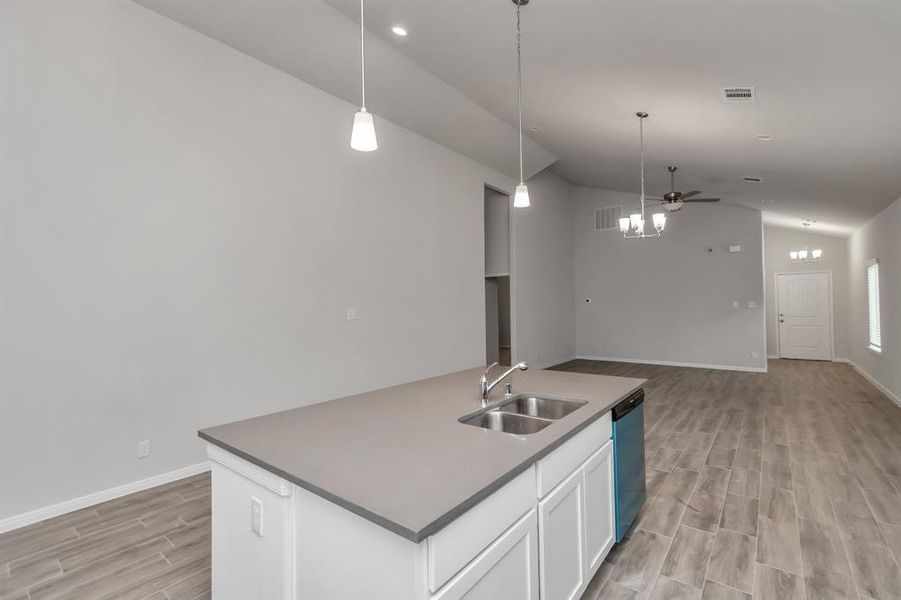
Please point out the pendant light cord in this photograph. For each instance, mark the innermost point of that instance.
(362, 60)
(519, 88)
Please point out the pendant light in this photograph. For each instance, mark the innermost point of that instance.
(362, 137)
(632, 227)
(805, 254)
(521, 196)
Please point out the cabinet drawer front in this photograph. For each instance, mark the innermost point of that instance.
(508, 568)
(556, 466)
(451, 548)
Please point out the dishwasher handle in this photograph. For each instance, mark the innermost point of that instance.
(628, 405)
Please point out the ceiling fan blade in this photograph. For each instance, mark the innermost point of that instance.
(702, 200)
(690, 194)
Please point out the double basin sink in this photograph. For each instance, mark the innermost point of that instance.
(523, 415)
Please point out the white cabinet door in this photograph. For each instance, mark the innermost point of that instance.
(599, 519)
(506, 570)
(561, 531)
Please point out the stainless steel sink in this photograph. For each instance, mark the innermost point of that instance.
(495, 420)
(543, 408)
(523, 415)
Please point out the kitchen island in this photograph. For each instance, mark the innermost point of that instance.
(387, 494)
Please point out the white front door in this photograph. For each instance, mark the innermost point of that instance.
(803, 305)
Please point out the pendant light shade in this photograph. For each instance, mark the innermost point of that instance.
(521, 197)
(659, 221)
(362, 138)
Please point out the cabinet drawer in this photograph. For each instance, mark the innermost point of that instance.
(451, 548)
(556, 466)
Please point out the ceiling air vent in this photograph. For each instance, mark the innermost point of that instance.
(607, 219)
(738, 94)
(752, 179)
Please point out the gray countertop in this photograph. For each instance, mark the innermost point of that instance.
(399, 457)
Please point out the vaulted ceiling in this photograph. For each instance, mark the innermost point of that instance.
(826, 75)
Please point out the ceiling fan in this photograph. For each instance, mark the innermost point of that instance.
(673, 200)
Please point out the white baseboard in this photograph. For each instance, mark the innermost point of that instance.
(772, 356)
(670, 363)
(876, 383)
(554, 363)
(55, 510)
(841, 359)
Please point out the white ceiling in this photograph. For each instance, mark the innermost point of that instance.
(827, 76)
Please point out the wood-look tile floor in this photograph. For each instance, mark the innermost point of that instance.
(152, 545)
(783, 485)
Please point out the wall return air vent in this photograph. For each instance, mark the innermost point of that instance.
(607, 219)
(738, 94)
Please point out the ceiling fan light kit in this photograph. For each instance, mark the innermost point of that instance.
(632, 227)
(805, 254)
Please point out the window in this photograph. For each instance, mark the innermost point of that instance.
(873, 325)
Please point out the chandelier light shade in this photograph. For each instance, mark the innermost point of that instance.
(521, 197)
(805, 254)
(633, 226)
(362, 138)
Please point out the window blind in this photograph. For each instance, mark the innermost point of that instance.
(873, 324)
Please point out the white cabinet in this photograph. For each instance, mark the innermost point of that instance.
(506, 570)
(599, 519)
(561, 529)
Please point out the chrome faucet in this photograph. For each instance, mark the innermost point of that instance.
(485, 387)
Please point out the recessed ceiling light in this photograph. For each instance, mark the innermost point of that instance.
(398, 30)
(764, 137)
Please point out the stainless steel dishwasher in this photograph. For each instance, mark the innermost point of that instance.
(628, 461)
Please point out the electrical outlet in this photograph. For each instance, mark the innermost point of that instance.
(351, 314)
(143, 448)
(256, 516)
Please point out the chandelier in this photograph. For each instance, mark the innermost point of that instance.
(805, 254)
(632, 227)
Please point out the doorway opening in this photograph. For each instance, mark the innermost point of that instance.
(804, 315)
(498, 334)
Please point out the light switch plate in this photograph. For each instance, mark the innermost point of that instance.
(256, 516)
(752, 304)
(735, 248)
(735, 304)
(351, 314)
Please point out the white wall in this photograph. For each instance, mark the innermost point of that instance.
(880, 239)
(183, 228)
(778, 242)
(542, 280)
(668, 299)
